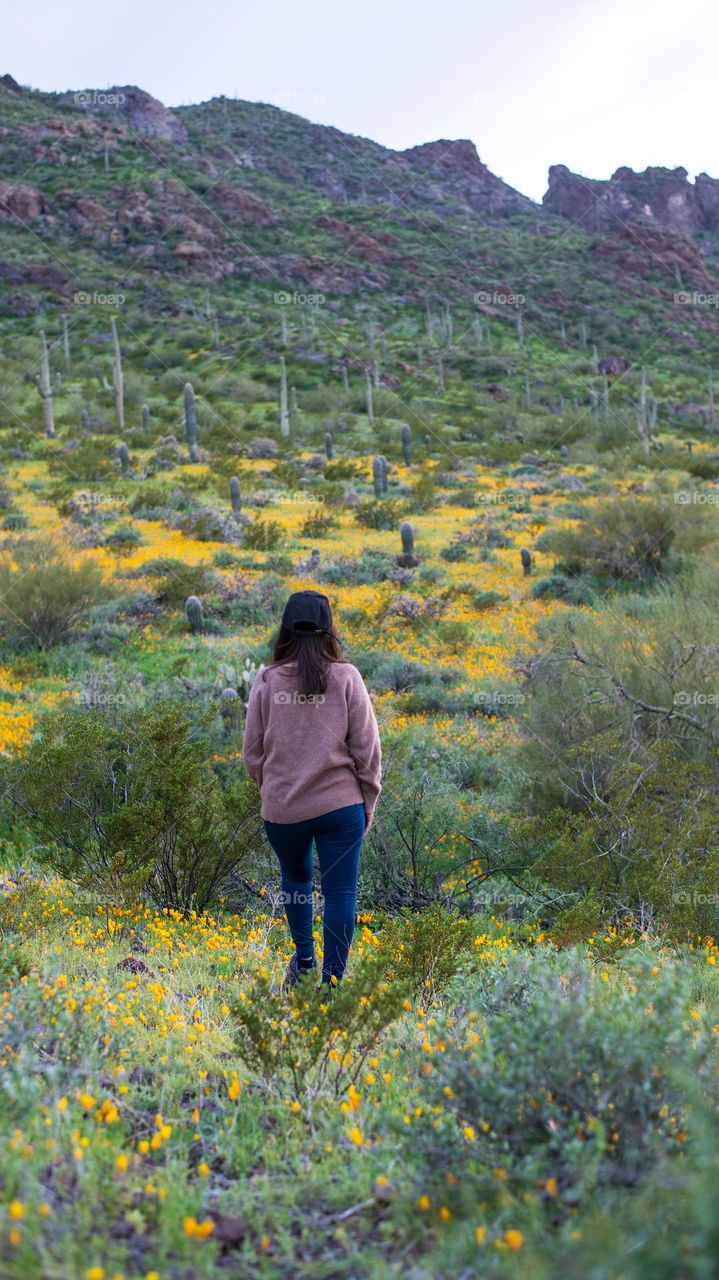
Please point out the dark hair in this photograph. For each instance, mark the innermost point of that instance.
(313, 651)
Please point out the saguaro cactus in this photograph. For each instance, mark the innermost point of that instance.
(145, 420)
(194, 611)
(407, 444)
(123, 454)
(284, 414)
(370, 406)
(235, 495)
(526, 558)
(329, 449)
(407, 534)
(84, 420)
(44, 386)
(66, 341)
(191, 421)
(385, 473)
(377, 476)
(117, 377)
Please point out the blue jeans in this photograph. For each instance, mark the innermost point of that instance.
(338, 836)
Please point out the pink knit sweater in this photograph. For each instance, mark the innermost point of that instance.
(312, 755)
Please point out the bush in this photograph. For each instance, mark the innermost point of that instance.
(312, 1042)
(318, 524)
(43, 594)
(263, 535)
(564, 1077)
(178, 580)
(125, 802)
(379, 513)
(630, 538)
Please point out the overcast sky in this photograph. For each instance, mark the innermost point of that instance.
(592, 84)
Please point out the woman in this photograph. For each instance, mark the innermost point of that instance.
(312, 746)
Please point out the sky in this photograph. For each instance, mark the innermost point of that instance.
(593, 84)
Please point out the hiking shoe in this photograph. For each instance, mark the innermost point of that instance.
(295, 972)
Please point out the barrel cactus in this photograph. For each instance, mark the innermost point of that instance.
(194, 611)
(235, 495)
(123, 454)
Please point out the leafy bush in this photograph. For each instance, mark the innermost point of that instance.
(318, 524)
(315, 1040)
(43, 594)
(263, 535)
(125, 802)
(379, 513)
(177, 580)
(630, 538)
(567, 1080)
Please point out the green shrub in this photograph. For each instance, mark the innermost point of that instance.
(379, 513)
(43, 594)
(263, 535)
(177, 580)
(564, 1076)
(125, 803)
(630, 538)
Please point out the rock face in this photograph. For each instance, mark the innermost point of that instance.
(21, 201)
(143, 113)
(664, 198)
(456, 166)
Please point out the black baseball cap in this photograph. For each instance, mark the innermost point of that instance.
(307, 611)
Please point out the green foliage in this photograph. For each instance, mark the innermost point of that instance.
(263, 535)
(43, 594)
(318, 524)
(125, 802)
(178, 580)
(630, 538)
(381, 513)
(314, 1039)
(565, 1077)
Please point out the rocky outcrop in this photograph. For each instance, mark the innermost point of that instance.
(454, 166)
(664, 198)
(143, 113)
(21, 201)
